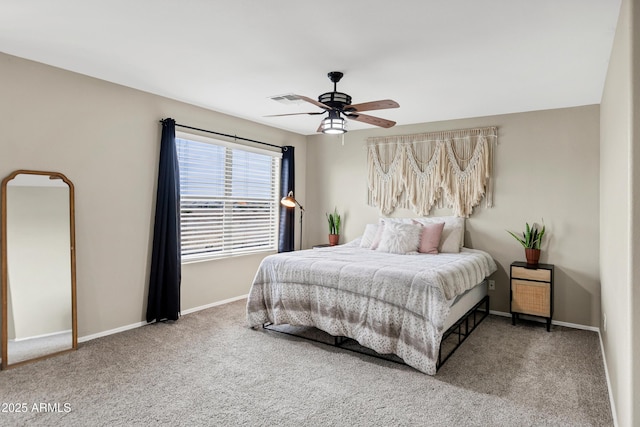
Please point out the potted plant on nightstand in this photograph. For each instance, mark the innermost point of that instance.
(334, 227)
(531, 240)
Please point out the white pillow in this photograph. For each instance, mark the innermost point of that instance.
(399, 238)
(378, 235)
(450, 239)
(369, 235)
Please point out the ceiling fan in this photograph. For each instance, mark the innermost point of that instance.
(337, 104)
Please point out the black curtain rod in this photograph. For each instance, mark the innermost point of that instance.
(228, 136)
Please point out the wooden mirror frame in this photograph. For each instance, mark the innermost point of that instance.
(5, 282)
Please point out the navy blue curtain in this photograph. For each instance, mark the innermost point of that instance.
(164, 282)
(287, 215)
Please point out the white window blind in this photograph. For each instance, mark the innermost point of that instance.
(229, 198)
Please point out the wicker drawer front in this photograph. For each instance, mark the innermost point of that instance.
(531, 274)
(531, 297)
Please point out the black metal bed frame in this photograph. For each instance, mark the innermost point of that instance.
(461, 329)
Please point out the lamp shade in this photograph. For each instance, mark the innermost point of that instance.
(334, 124)
(289, 201)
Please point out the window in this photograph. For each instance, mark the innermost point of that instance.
(229, 203)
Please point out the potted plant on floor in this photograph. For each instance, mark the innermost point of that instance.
(334, 227)
(531, 240)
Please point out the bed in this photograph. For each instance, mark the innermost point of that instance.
(392, 303)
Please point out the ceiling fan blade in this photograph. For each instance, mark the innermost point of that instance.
(295, 114)
(373, 105)
(314, 102)
(377, 121)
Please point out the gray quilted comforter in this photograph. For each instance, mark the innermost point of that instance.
(393, 304)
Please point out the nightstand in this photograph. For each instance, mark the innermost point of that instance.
(532, 291)
(322, 245)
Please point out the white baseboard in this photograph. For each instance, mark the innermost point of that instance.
(553, 322)
(111, 332)
(214, 304)
(606, 374)
(139, 324)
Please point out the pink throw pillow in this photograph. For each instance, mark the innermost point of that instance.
(430, 238)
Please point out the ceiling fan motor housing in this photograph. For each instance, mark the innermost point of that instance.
(336, 100)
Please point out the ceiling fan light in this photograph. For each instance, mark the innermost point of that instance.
(334, 125)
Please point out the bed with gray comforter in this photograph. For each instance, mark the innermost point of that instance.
(393, 304)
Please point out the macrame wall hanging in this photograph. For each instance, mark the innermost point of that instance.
(420, 171)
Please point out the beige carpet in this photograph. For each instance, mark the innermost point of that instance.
(208, 368)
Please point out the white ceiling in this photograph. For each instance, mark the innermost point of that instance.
(438, 59)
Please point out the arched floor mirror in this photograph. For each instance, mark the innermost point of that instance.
(39, 318)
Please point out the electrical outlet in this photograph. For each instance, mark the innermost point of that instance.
(492, 285)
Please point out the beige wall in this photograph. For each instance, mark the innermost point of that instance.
(105, 138)
(620, 217)
(546, 166)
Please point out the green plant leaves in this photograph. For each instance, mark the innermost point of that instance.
(531, 236)
(334, 222)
